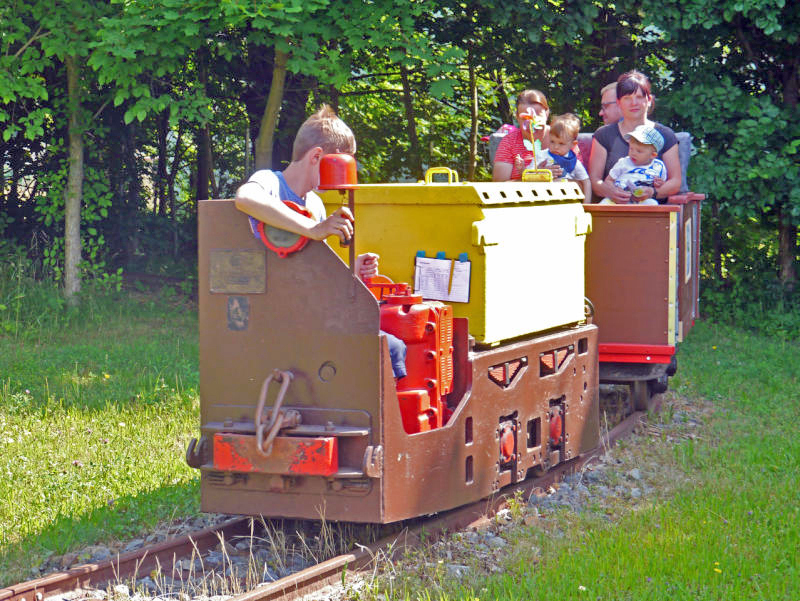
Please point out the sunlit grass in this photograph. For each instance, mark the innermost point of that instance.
(95, 417)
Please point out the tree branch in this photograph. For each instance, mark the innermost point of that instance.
(35, 37)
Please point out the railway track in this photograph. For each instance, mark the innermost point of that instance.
(166, 556)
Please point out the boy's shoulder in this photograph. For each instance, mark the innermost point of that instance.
(315, 205)
(267, 179)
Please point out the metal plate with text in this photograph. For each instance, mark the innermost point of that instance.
(238, 271)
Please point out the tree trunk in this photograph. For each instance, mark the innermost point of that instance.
(247, 143)
(507, 112)
(473, 115)
(266, 130)
(787, 250)
(3, 206)
(787, 231)
(716, 238)
(334, 93)
(176, 161)
(203, 164)
(160, 207)
(72, 202)
(210, 161)
(15, 162)
(415, 157)
(203, 141)
(293, 113)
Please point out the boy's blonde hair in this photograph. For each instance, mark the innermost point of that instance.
(326, 130)
(565, 126)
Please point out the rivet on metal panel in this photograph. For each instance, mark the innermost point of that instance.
(326, 371)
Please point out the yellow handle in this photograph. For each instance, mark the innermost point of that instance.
(452, 175)
(537, 175)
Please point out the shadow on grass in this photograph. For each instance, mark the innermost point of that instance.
(125, 518)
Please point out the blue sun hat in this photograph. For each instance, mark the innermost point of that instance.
(647, 134)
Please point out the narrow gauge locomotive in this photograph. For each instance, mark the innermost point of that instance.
(301, 416)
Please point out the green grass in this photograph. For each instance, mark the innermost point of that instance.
(732, 533)
(97, 405)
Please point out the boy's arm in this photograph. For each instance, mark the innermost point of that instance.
(252, 198)
(617, 194)
(586, 184)
(581, 176)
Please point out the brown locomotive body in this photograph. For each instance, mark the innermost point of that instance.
(342, 451)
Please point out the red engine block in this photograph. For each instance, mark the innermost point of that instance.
(427, 330)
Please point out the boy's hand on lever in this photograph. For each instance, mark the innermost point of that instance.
(339, 223)
(367, 265)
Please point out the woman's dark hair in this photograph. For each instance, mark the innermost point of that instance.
(631, 82)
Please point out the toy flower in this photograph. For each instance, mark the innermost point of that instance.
(534, 121)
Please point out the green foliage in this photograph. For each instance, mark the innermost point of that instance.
(749, 293)
(733, 74)
(94, 208)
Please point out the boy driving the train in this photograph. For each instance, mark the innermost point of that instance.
(263, 198)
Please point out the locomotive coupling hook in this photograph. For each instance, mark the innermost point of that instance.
(267, 429)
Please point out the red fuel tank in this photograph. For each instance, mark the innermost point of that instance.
(427, 329)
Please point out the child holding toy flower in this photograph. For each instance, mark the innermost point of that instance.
(564, 131)
(532, 114)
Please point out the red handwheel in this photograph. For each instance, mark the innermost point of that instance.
(280, 241)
